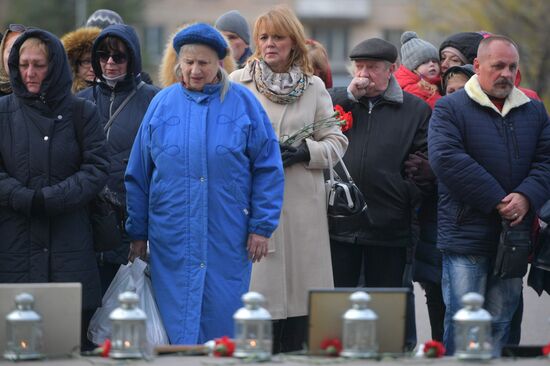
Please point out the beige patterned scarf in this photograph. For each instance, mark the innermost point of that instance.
(280, 88)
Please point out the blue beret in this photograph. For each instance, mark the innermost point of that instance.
(203, 34)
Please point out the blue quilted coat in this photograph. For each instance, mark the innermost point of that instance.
(480, 155)
(202, 175)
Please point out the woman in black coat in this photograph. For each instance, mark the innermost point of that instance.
(122, 99)
(47, 178)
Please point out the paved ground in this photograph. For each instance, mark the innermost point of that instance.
(535, 328)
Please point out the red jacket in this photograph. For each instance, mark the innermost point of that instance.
(412, 83)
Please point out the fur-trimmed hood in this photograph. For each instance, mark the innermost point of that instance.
(167, 75)
(77, 43)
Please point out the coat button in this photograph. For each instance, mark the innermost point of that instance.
(203, 265)
(59, 117)
(202, 179)
(46, 138)
(45, 250)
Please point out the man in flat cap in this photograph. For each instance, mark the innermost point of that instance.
(389, 124)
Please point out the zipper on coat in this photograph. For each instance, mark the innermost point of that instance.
(365, 145)
(507, 143)
(514, 139)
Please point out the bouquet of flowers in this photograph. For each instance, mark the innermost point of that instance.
(338, 118)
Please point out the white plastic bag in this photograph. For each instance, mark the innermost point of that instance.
(130, 277)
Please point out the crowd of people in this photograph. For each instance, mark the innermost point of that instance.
(445, 146)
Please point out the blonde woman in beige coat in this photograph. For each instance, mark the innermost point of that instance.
(280, 75)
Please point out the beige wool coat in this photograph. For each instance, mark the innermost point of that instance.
(299, 250)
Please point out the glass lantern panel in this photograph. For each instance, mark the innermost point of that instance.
(25, 337)
(129, 338)
(253, 336)
(473, 338)
(360, 336)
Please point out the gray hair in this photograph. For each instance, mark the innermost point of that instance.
(350, 67)
(221, 74)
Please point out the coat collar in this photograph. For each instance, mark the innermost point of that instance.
(392, 94)
(515, 99)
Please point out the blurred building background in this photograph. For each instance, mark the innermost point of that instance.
(338, 24)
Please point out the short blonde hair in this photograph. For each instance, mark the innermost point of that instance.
(281, 20)
(35, 43)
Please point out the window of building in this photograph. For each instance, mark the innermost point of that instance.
(335, 39)
(154, 41)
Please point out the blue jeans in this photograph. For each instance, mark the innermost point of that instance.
(470, 273)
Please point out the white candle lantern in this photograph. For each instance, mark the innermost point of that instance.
(23, 330)
(473, 329)
(359, 328)
(128, 339)
(253, 337)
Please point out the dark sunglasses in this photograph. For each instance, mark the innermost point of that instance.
(118, 58)
(19, 28)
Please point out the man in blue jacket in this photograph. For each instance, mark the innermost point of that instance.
(489, 146)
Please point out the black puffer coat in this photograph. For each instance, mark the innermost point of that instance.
(125, 126)
(381, 139)
(40, 154)
(122, 133)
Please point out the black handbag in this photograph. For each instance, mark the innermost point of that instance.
(513, 251)
(106, 226)
(346, 206)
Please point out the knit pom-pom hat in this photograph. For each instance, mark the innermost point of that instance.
(416, 51)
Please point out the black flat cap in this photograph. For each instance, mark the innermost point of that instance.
(374, 49)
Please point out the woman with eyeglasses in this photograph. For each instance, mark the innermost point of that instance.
(8, 39)
(122, 99)
(78, 45)
(48, 175)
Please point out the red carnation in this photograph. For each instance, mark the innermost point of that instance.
(434, 349)
(345, 117)
(332, 347)
(104, 349)
(224, 347)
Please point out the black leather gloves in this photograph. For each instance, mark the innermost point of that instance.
(418, 168)
(292, 155)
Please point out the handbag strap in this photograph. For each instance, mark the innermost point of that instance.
(328, 147)
(107, 128)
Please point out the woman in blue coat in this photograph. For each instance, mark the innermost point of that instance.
(205, 187)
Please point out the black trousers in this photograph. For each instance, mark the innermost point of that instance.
(382, 267)
(289, 334)
(436, 308)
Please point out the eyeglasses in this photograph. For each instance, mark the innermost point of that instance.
(85, 63)
(19, 28)
(118, 58)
